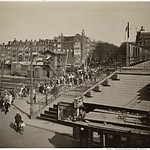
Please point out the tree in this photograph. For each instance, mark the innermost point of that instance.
(121, 54)
(104, 53)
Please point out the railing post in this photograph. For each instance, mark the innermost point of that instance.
(104, 140)
(46, 98)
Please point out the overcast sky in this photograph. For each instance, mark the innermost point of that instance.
(104, 21)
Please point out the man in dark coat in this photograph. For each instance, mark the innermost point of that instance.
(6, 106)
(18, 119)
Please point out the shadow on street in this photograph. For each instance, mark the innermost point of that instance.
(13, 126)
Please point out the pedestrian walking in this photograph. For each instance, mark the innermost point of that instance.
(27, 89)
(18, 119)
(12, 92)
(10, 99)
(6, 107)
(34, 96)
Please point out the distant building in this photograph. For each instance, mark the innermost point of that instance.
(21, 51)
(139, 50)
(143, 38)
(1, 52)
(76, 47)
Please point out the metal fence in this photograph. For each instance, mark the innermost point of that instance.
(49, 98)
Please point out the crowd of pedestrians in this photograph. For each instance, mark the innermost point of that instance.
(71, 79)
(7, 97)
(79, 77)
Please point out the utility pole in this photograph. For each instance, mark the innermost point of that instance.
(4, 47)
(127, 45)
(67, 56)
(31, 92)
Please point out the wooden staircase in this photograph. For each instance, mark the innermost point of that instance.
(50, 115)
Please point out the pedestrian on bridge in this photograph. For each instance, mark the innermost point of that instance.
(34, 96)
(12, 92)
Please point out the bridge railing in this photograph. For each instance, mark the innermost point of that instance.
(49, 98)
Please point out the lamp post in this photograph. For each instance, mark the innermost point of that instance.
(31, 92)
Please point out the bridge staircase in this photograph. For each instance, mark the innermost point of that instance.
(51, 114)
(66, 98)
(48, 66)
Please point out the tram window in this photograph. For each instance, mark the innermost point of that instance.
(110, 136)
(123, 138)
(96, 137)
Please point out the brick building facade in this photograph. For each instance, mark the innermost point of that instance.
(77, 48)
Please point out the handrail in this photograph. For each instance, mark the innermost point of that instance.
(99, 83)
(43, 102)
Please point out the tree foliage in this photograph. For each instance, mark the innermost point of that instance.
(104, 52)
(121, 54)
(122, 50)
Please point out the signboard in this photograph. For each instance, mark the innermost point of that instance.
(77, 48)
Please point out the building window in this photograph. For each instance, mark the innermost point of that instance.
(96, 137)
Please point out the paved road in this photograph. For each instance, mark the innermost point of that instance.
(31, 138)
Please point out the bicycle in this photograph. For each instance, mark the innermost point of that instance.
(20, 127)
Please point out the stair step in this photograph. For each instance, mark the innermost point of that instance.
(53, 109)
(48, 119)
(49, 116)
(51, 112)
(65, 103)
(55, 106)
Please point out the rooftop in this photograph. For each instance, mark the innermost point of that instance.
(130, 91)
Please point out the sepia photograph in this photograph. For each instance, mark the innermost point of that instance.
(74, 74)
